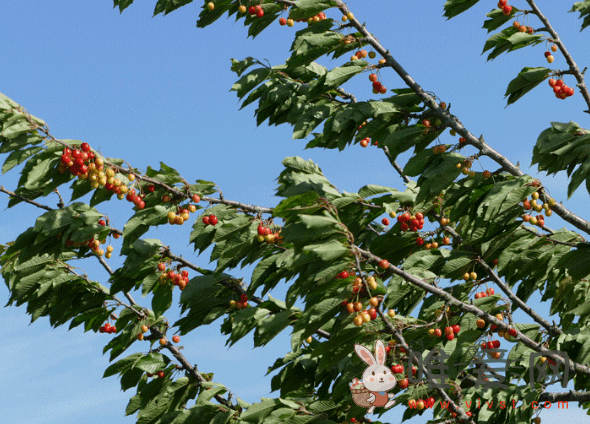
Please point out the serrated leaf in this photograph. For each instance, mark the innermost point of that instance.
(526, 80)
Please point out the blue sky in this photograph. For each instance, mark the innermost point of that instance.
(157, 89)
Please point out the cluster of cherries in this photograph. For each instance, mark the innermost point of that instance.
(488, 292)
(548, 54)
(506, 8)
(267, 235)
(377, 86)
(538, 207)
(523, 28)
(411, 222)
(179, 279)
(108, 328)
(242, 303)
(253, 10)
(210, 219)
(560, 89)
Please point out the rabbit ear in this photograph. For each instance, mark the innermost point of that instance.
(380, 352)
(364, 354)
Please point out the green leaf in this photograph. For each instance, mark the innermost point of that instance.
(167, 6)
(123, 4)
(304, 9)
(17, 157)
(497, 19)
(152, 362)
(258, 411)
(122, 365)
(526, 80)
(584, 8)
(269, 327)
(456, 7)
(162, 300)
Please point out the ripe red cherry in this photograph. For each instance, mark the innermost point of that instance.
(243, 297)
(85, 147)
(419, 241)
(161, 374)
(502, 3)
(437, 332)
(343, 274)
(252, 10)
(161, 266)
(496, 344)
(385, 221)
(456, 328)
(490, 291)
(176, 339)
(376, 85)
(260, 13)
(450, 337)
(283, 21)
(206, 220)
(490, 345)
(373, 78)
(151, 188)
(101, 222)
(384, 264)
(212, 219)
(512, 332)
(403, 384)
(507, 10)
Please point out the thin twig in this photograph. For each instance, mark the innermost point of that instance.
(24, 199)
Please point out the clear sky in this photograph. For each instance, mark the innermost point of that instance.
(157, 89)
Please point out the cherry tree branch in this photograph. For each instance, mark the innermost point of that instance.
(469, 308)
(574, 70)
(24, 199)
(452, 122)
(553, 330)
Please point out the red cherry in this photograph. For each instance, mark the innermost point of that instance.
(76, 153)
(376, 85)
(385, 221)
(502, 3)
(252, 10)
(490, 345)
(484, 345)
(559, 83)
(151, 188)
(507, 10)
(161, 374)
(283, 21)
(212, 219)
(512, 332)
(419, 241)
(456, 328)
(141, 204)
(260, 13)
(343, 274)
(490, 291)
(384, 264)
(404, 227)
(373, 78)
(101, 222)
(85, 147)
(206, 220)
(496, 344)
(450, 337)
(243, 297)
(161, 266)
(175, 339)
